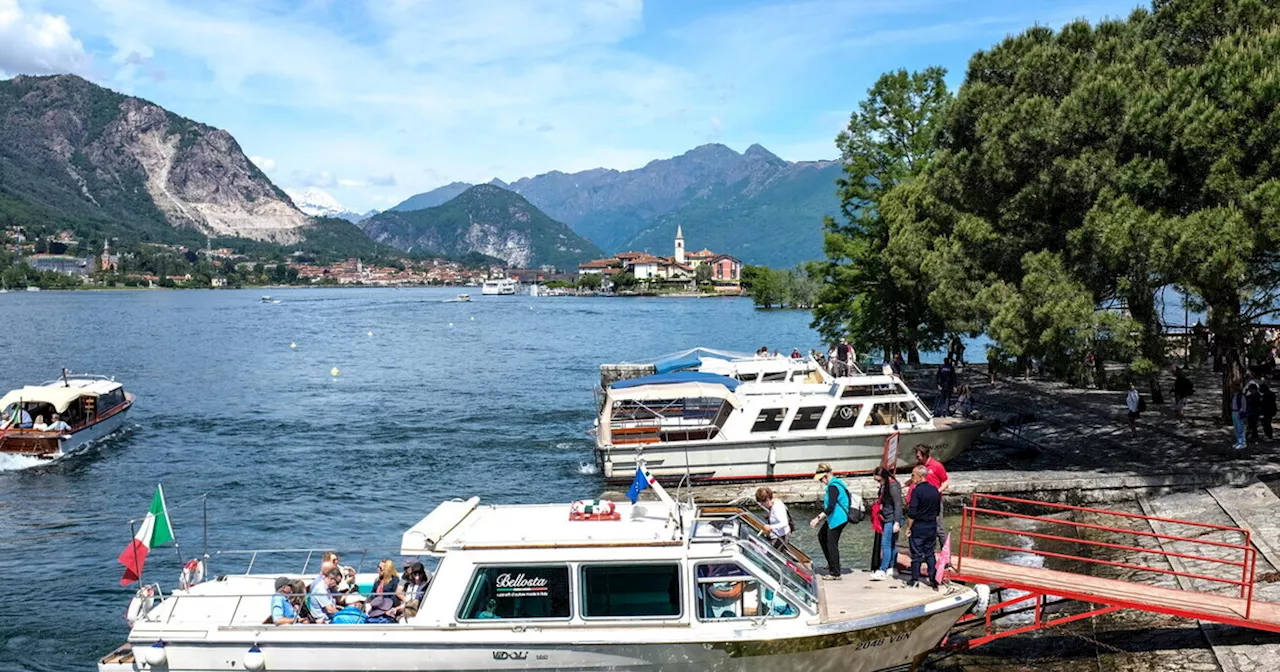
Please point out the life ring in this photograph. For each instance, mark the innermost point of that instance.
(192, 573)
(727, 591)
(141, 603)
(984, 599)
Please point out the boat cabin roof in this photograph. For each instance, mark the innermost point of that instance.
(458, 526)
(59, 395)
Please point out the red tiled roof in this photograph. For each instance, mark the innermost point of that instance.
(600, 263)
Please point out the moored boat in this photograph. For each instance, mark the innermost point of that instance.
(498, 287)
(706, 427)
(91, 407)
(655, 585)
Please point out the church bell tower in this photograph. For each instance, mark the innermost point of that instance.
(679, 245)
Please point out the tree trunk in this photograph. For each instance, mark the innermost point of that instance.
(1228, 333)
(1152, 344)
(913, 353)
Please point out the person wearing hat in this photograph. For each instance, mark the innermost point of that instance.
(352, 613)
(282, 612)
(831, 521)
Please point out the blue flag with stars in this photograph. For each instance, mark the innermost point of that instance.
(640, 482)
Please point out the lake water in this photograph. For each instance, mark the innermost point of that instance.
(490, 398)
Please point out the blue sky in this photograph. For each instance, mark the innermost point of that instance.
(375, 100)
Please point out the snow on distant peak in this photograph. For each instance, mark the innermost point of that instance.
(316, 202)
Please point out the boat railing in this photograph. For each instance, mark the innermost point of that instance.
(77, 376)
(310, 557)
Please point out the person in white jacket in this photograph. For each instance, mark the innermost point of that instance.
(1134, 402)
(779, 519)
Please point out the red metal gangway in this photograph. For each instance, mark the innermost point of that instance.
(981, 529)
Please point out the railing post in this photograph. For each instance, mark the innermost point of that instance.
(252, 559)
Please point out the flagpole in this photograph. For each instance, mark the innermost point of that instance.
(133, 534)
(165, 506)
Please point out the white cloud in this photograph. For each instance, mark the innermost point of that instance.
(266, 164)
(382, 179)
(38, 43)
(313, 178)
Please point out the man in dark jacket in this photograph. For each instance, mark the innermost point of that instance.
(922, 530)
(946, 387)
(1268, 411)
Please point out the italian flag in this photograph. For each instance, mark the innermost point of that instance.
(155, 530)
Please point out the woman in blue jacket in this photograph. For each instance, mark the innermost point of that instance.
(834, 516)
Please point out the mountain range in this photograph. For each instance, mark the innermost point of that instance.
(74, 153)
(754, 205)
(319, 203)
(486, 219)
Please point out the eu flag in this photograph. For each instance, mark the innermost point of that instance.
(640, 482)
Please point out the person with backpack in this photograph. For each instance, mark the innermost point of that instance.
(837, 511)
(1133, 401)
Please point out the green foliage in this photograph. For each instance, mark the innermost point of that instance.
(1079, 172)
(797, 288)
(625, 280)
(702, 274)
(874, 294)
(590, 281)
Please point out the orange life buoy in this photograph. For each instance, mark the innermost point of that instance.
(727, 591)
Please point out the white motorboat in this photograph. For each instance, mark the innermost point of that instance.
(745, 367)
(91, 406)
(650, 586)
(268, 299)
(499, 287)
(461, 298)
(706, 427)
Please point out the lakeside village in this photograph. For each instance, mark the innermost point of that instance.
(62, 261)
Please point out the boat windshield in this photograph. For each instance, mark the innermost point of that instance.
(789, 574)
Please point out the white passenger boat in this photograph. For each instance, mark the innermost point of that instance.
(745, 367)
(706, 427)
(652, 586)
(91, 406)
(461, 298)
(498, 287)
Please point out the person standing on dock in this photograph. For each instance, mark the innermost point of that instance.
(832, 519)
(946, 387)
(922, 526)
(888, 515)
(1239, 414)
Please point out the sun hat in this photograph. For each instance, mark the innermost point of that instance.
(353, 598)
(822, 470)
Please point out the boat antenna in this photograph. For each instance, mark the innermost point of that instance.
(65, 382)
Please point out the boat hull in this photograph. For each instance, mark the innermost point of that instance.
(871, 646)
(783, 458)
(52, 445)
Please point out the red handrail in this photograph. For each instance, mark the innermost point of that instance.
(1247, 565)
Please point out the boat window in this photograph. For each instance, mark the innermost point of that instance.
(615, 591)
(110, 399)
(844, 416)
(769, 420)
(787, 573)
(747, 377)
(774, 376)
(807, 417)
(517, 593)
(725, 591)
(894, 412)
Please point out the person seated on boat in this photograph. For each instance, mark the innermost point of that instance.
(490, 610)
(282, 611)
(21, 418)
(328, 561)
(416, 580)
(348, 583)
(795, 353)
(299, 600)
(39, 425)
(57, 424)
(352, 613)
(320, 602)
(387, 597)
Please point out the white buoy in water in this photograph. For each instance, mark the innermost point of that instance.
(371, 333)
(334, 371)
(450, 325)
(473, 318)
(254, 660)
(293, 346)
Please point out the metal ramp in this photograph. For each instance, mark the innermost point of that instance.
(1224, 559)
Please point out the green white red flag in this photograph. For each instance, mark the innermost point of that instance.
(154, 531)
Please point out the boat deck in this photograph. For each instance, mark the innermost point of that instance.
(857, 596)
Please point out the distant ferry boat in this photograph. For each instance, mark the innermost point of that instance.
(761, 418)
(499, 287)
(91, 406)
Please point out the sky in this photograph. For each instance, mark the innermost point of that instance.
(373, 101)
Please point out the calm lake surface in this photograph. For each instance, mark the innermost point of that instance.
(490, 398)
